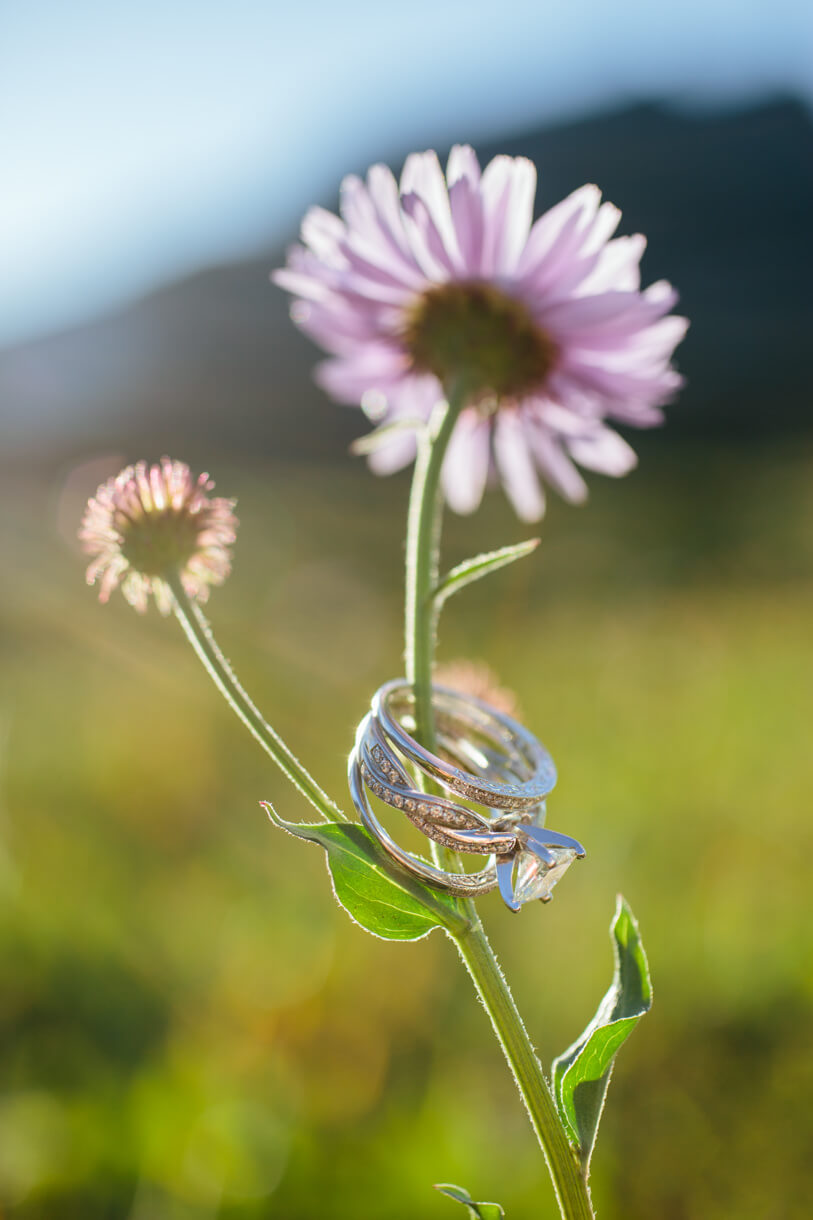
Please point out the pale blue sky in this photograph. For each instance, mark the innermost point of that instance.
(142, 141)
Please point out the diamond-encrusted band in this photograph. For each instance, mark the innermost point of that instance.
(486, 759)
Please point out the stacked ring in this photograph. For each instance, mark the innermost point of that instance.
(486, 759)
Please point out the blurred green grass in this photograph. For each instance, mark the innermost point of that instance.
(190, 1028)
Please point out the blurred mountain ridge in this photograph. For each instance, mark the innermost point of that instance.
(213, 363)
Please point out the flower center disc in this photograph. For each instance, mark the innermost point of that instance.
(159, 541)
(471, 330)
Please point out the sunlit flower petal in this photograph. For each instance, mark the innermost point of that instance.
(446, 277)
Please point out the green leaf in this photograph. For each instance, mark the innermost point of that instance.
(581, 1075)
(372, 441)
(477, 1211)
(375, 893)
(479, 566)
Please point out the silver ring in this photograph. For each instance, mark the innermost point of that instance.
(503, 732)
(485, 758)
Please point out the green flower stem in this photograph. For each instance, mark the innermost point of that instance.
(422, 554)
(569, 1183)
(423, 543)
(199, 634)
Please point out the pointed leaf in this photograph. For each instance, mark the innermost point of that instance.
(372, 441)
(479, 566)
(581, 1075)
(375, 893)
(476, 1211)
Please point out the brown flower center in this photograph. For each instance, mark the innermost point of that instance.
(471, 330)
(160, 541)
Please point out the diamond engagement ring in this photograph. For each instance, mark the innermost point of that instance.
(489, 781)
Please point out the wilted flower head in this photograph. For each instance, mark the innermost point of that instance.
(444, 279)
(150, 522)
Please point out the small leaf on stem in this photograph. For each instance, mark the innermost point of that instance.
(476, 1211)
(581, 1075)
(371, 441)
(376, 894)
(477, 567)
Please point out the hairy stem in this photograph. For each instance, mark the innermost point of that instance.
(199, 634)
(423, 544)
(569, 1183)
(422, 554)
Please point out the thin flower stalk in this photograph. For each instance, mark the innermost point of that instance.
(154, 531)
(423, 543)
(422, 557)
(199, 634)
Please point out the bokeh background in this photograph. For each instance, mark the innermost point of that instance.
(189, 1027)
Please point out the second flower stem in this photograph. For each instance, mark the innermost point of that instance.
(423, 544)
(199, 634)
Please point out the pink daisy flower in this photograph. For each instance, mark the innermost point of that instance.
(445, 279)
(152, 521)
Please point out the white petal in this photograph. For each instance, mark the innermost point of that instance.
(621, 387)
(661, 339)
(465, 467)
(463, 163)
(300, 285)
(516, 467)
(339, 326)
(562, 224)
(467, 214)
(323, 232)
(605, 451)
(617, 266)
(423, 176)
(508, 187)
(411, 398)
(369, 368)
(619, 314)
(417, 214)
(558, 470)
(384, 193)
(370, 236)
(373, 273)
(355, 204)
(605, 224)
